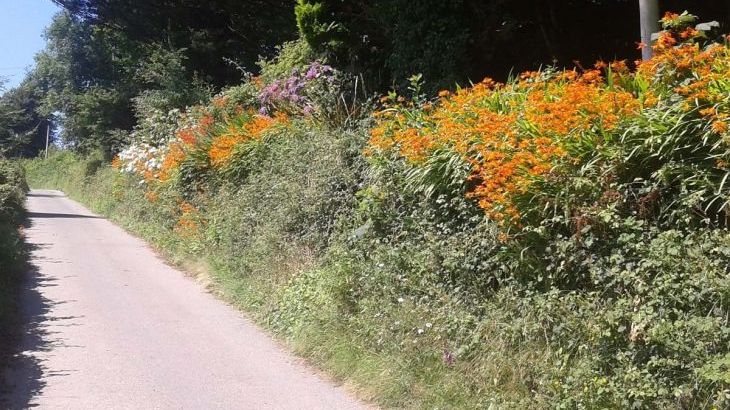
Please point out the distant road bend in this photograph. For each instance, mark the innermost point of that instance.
(108, 325)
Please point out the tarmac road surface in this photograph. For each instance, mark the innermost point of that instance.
(109, 325)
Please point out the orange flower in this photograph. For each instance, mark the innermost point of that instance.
(511, 135)
(220, 101)
(619, 66)
(206, 121)
(223, 146)
(174, 157)
(188, 222)
(720, 127)
(151, 196)
(187, 135)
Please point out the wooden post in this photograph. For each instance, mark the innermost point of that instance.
(649, 16)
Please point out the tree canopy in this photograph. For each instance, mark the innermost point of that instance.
(107, 60)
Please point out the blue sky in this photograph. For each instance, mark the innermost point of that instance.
(21, 29)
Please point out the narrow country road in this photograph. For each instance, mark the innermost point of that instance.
(108, 325)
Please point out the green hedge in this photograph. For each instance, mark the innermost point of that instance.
(613, 293)
(12, 200)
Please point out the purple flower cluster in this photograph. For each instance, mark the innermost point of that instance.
(317, 70)
(290, 91)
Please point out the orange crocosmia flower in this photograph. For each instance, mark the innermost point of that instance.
(514, 135)
(258, 125)
(187, 208)
(689, 33)
(708, 112)
(188, 221)
(221, 150)
(152, 196)
(511, 135)
(669, 17)
(720, 127)
(187, 135)
(205, 122)
(174, 157)
(220, 101)
(258, 82)
(619, 66)
(223, 146)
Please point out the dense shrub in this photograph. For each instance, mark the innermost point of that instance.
(12, 198)
(600, 182)
(558, 241)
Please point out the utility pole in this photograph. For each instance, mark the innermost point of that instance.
(649, 16)
(48, 135)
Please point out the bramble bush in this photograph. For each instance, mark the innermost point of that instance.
(558, 241)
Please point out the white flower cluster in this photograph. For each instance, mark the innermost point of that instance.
(142, 158)
(157, 127)
(151, 139)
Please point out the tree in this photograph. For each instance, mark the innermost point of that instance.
(210, 31)
(22, 128)
(87, 77)
(462, 40)
(106, 60)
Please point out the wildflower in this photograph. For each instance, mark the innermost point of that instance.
(220, 101)
(151, 196)
(223, 146)
(720, 127)
(619, 66)
(448, 358)
(291, 93)
(708, 112)
(188, 222)
(512, 144)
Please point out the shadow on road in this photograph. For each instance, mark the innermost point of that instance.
(42, 215)
(24, 378)
(46, 195)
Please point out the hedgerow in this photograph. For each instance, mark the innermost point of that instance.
(12, 256)
(556, 241)
(12, 202)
